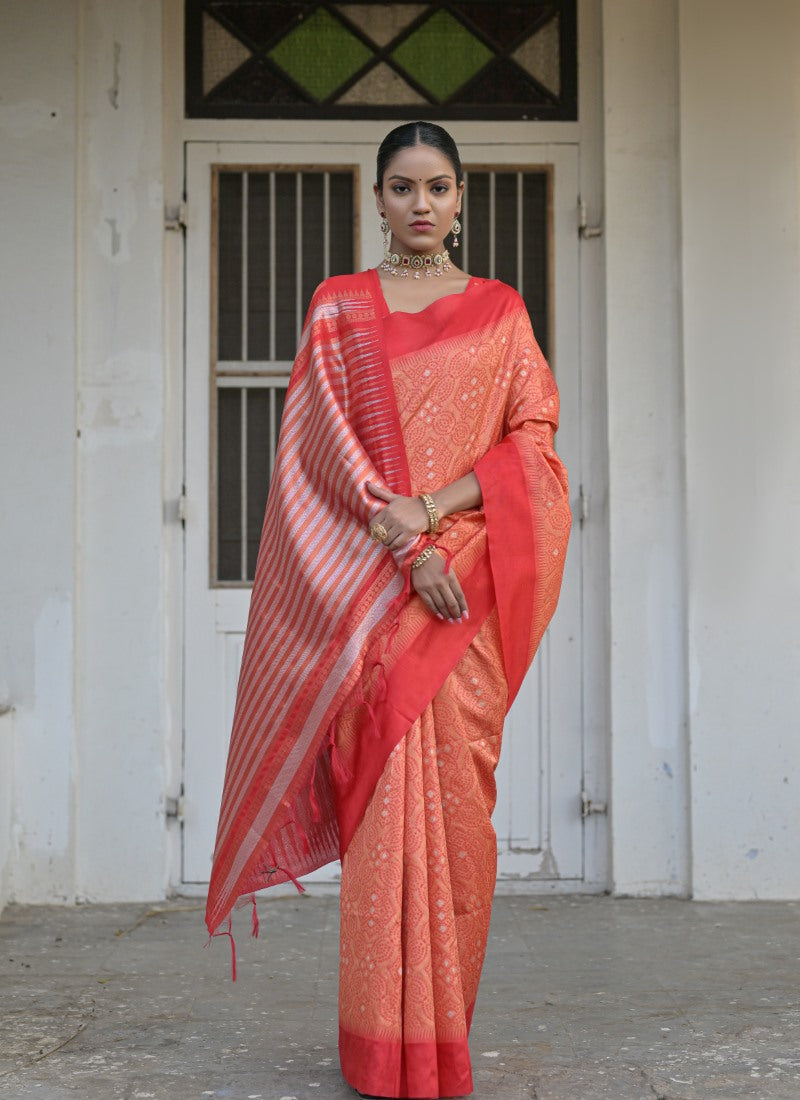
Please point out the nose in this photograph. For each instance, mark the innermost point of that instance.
(421, 204)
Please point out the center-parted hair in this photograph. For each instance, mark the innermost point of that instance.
(418, 133)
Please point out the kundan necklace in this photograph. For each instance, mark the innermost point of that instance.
(435, 263)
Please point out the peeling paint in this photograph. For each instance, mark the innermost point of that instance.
(113, 91)
(116, 236)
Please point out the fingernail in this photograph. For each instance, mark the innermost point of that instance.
(466, 614)
(439, 615)
(459, 619)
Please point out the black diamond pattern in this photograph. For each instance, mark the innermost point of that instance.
(258, 22)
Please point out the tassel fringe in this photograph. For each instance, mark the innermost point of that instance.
(229, 934)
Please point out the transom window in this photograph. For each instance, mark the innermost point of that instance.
(489, 59)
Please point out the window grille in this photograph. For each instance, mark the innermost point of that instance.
(447, 59)
(508, 235)
(276, 235)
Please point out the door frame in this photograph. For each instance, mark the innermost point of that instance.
(591, 480)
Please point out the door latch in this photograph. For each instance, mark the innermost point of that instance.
(588, 806)
(586, 231)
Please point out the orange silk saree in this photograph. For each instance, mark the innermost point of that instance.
(365, 728)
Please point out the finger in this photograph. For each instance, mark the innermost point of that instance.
(431, 606)
(380, 492)
(450, 602)
(442, 597)
(397, 537)
(441, 607)
(432, 591)
(457, 591)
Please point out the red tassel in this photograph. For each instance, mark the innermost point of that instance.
(229, 934)
(448, 557)
(391, 636)
(373, 721)
(304, 842)
(340, 772)
(254, 918)
(300, 888)
(316, 813)
(383, 688)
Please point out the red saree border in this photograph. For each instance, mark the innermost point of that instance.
(428, 1068)
(510, 532)
(411, 684)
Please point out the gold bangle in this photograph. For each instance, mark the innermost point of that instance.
(433, 513)
(428, 552)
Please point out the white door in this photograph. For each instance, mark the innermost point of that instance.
(266, 222)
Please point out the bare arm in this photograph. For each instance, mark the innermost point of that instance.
(405, 517)
(458, 495)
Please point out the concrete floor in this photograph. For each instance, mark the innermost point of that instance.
(582, 997)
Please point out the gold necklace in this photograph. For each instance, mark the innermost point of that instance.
(396, 263)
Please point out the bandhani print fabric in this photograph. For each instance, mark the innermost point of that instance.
(365, 728)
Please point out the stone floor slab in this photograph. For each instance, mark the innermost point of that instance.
(583, 997)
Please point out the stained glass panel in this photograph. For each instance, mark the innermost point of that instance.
(320, 54)
(441, 55)
(447, 58)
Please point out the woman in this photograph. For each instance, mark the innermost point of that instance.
(410, 561)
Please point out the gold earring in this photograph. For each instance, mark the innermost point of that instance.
(386, 232)
(455, 229)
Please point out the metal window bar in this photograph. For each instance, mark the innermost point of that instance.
(520, 235)
(245, 296)
(492, 242)
(298, 234)
(464, 244)
(273, 433)
(326, 224)
(272, 265)
(243, 477)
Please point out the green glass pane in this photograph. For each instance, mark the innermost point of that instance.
(320, 54)
(442, 55)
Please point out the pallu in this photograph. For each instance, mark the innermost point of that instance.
(365, 728)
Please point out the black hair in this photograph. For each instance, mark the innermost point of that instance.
(418, 133)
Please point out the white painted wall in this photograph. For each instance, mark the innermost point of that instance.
(83, 752)
(122, 747)
(37, 449)
(740, 156)
(649, 775)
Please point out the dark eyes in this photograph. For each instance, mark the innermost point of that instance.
(438, 188)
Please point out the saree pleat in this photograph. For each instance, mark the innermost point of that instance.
(417, 882)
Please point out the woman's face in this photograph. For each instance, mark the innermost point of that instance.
(420, 198)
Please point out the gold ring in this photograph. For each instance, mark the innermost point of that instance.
(379, 532)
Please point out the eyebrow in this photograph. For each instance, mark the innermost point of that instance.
(407, 179)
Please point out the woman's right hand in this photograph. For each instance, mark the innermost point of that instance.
(440, 592)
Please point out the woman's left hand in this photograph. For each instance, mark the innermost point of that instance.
(403, 517)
